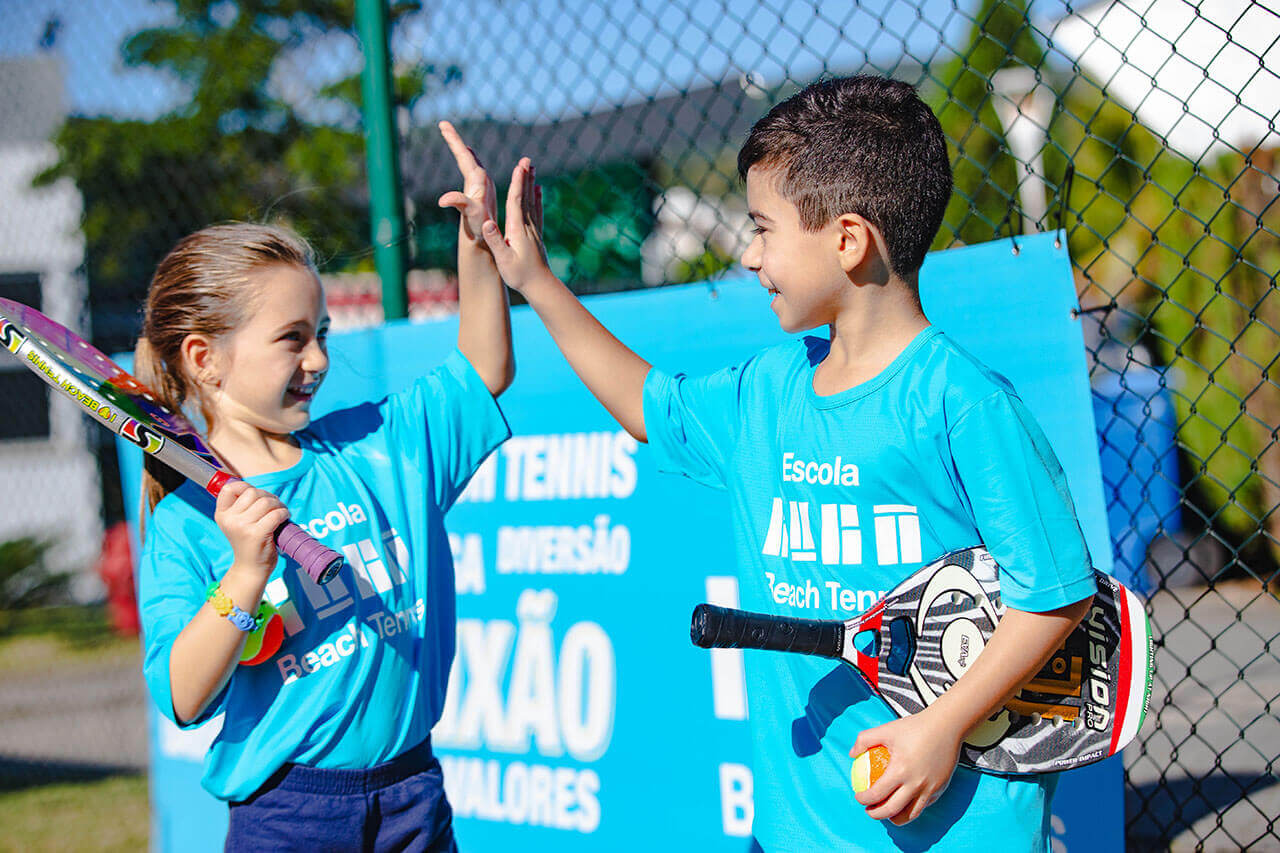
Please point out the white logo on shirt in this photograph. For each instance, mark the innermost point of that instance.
(371, 574)
(834, 472)
(335, 520)
(791, 535)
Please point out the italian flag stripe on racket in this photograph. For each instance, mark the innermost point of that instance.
(1131, 703)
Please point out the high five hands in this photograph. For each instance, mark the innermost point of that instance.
(520, 254)
(478, 200)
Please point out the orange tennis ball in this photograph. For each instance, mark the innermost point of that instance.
(868, 767)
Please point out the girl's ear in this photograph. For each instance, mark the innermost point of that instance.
(200, 361)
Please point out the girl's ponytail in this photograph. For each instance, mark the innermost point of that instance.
(169, 387)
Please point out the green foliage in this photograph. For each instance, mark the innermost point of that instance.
(236, 150)
(595, 221)
(25, 580)
(986, 176)
(1187, 252)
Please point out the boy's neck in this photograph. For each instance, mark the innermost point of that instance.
(869, 333)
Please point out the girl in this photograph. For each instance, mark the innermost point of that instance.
(325, 742)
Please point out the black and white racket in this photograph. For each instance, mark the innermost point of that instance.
(1086, 704)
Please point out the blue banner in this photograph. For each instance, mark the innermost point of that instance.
(579, 714)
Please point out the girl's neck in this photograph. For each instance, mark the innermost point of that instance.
(249, 452)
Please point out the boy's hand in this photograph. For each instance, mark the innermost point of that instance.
(249, 519)
(923, 751)
(478, 201)
(520, 254)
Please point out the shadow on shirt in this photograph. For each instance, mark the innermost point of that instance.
(832, 695)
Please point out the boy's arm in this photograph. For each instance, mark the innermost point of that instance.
(611, 371)
(484, 318)
(925, 747)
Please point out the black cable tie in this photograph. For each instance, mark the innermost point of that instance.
(1064, 195)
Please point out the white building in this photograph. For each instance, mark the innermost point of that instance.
(1204, 75)
(49, 480)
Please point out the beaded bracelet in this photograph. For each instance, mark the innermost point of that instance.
(224, 606)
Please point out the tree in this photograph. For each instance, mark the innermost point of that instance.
(986, 175)
(237, 149)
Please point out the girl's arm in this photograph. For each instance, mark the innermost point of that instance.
(924, 748)
(609, 369)
(484, 317)
(207, 650)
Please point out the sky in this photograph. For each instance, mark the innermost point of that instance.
(527, 60)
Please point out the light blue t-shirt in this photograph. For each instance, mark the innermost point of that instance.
(836, 499)
(361, 674)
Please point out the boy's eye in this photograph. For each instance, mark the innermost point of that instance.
(757, 229)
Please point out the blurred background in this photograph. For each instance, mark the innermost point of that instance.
(1146, 130)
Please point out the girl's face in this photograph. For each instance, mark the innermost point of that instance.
(270, 368)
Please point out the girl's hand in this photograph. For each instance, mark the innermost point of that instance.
(923, 751)
(478, 201)
(520, 254)
(249, 519)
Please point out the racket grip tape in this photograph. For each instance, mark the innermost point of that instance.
(320, 562)
(725, 628)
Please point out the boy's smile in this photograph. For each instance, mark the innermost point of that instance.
(799, 268)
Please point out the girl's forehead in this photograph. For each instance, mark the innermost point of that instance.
(285, 290)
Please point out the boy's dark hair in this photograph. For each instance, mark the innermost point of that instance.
(865, 145)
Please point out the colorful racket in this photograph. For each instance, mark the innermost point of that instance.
(1087, 702)
(128, 408)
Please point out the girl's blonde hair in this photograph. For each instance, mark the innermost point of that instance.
(204, 286)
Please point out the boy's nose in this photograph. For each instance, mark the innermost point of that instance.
(751, 255)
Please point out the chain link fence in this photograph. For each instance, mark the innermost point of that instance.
(1145, 129)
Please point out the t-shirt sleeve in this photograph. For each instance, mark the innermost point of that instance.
(463, 423)
(1021, 505)
(171, 588)
(692, 423)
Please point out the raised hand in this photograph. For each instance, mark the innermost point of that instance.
(478, 200)
(520, 254)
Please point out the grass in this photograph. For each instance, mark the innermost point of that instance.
(98, 814)
(104, 815)
(62, 638)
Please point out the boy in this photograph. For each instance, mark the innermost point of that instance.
(847, 183)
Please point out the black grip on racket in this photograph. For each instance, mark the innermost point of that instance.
(725, 628)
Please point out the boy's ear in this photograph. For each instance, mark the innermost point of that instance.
(856, 240)
(861, 246)
(200, 360)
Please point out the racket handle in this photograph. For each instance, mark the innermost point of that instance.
(318, 561)
(725, 628)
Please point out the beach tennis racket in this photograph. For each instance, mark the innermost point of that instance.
(128, 408)
(1087, 702)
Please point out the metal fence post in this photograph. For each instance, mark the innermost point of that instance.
(386, 207)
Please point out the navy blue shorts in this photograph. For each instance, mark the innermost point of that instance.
(399, 805)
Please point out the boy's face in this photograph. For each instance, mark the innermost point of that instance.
(800, 268)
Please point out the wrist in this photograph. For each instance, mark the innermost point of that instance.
(245, 583)
(539, 285)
